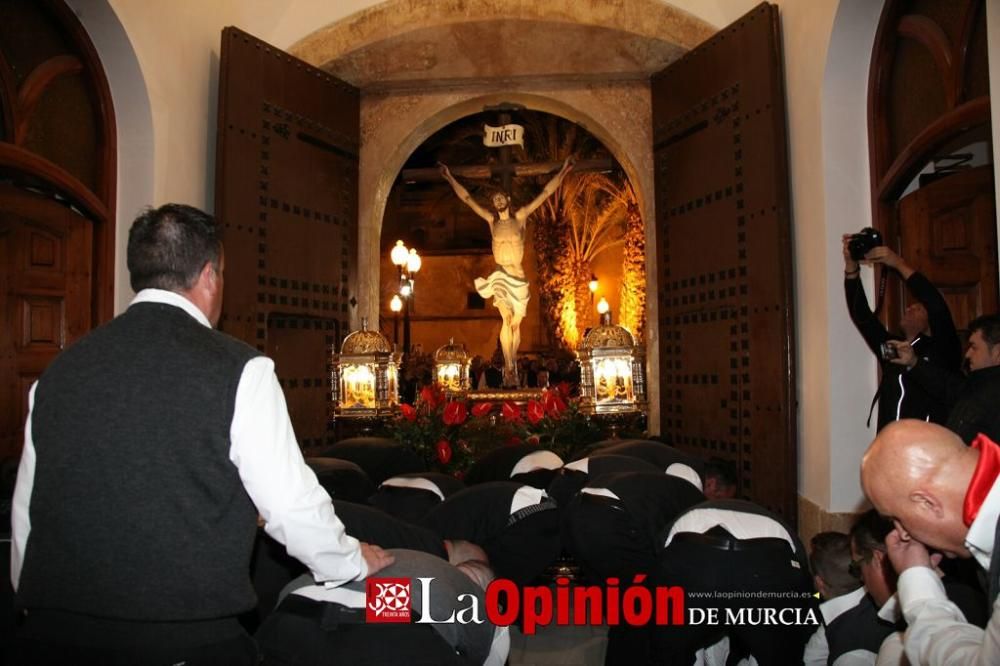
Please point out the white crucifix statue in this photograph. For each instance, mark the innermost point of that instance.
(507, 285)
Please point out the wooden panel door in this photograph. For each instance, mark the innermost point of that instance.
(286, 195)
(724, 257)
(947, 231)
(46, 287)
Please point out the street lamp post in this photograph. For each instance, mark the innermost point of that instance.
(408, 262)
(396, 304)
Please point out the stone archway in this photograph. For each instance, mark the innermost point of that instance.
(404, 43)
(382, 159)
(422, 66)
(389, 135)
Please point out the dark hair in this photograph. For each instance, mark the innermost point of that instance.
(830, 559)
(869, 533)
(723, 471)
(168, 246)
(989, 326)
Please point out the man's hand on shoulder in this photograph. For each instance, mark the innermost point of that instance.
(376, 558)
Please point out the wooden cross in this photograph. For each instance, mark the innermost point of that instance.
(505, 169)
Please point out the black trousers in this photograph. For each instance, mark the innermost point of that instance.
(606, 540)
(58, 638)
(761, 600)
(303, 632)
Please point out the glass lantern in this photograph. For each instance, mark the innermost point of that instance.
(364, 376)
(451, 368)
(612, 371)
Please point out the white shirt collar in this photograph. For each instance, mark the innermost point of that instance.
(171, 298)
(526, 496)
(537, 460)
(831, 609)
(892, 611)
(416, 482)
(979, 540)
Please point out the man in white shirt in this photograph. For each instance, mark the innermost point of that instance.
(943, 496)
(152, 444)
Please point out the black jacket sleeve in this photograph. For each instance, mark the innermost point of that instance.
(869, 326)
(946, 343)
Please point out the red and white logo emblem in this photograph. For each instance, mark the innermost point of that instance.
(388, 600)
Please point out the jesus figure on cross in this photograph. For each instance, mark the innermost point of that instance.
(507, 285)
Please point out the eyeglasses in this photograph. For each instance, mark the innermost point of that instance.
(854, 568)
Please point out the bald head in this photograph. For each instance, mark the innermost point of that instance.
(917, 473)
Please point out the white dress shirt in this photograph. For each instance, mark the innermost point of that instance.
(297, 511)
(937, 631)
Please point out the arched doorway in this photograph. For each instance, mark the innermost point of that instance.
(580, 233)
(57, 165)
(930, 145)
(683, 115)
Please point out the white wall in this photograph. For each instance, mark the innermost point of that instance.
(134, 121)
(826, 49)
(837, 431)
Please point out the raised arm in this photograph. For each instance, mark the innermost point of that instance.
(464, 195)
(549, 189)
(868, 324)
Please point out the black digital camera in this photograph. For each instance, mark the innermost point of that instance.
(888, 352)
(863, 242)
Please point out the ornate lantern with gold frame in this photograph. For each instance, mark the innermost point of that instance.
(451, 368)
(364, 376)
(612, 366)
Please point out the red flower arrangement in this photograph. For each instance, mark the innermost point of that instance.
(450, 433)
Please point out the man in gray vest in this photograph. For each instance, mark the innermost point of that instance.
(152, 444)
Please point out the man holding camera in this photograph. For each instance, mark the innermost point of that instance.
(973, 397)
(927, 327)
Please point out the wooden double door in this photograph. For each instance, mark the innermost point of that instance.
(286, 189)
(46, 296)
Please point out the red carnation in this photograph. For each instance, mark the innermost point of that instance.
(443, 449)
(455, 413)
(535, 412)
(408, 412)
(481, 409)
(554, 404)
(564, 389)
(511, 412)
